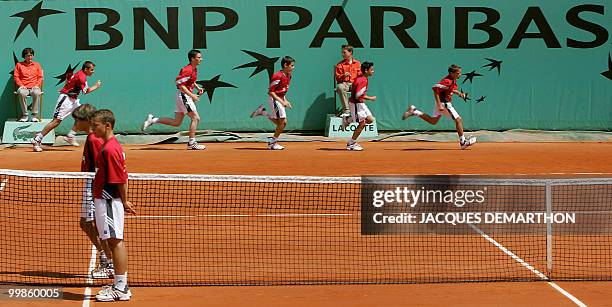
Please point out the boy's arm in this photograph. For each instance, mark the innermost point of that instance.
(200, 89)
(283, 101)
(123, 193)
(94, 87)
(185, 91)
(460, 94)
(366, 97)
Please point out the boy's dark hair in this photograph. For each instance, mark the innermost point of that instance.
(453, 68)
(192, 54)
(287, 60)
(365, 66)
(84, 112)
(104, 116)
(27, 51)
(88, 64)
(348, 48)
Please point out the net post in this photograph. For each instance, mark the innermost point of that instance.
(549, 260)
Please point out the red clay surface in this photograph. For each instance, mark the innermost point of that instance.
(331, 159)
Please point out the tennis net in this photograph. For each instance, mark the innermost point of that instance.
(256, 230)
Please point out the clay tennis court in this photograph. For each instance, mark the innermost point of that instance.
(331, 159)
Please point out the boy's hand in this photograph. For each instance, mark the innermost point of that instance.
(98, 83)
(201, 91)
(195, 97)
(441, 108)
(288, 104)
(129, 208)
(461, 94)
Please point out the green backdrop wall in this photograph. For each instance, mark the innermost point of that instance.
(555, 55)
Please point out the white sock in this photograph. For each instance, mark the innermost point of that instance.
(417, 113)
(273, 140)
(39, 137)
(71, 134)
(351, 142)
(154, 120)
(121, 281)
(462, 139)
(192, 140)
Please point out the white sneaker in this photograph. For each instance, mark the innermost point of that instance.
(36, 146)
(195, 146)
(104, 270)
(409, 112)
(24, 119)
(110, 294)
(354, 146)
(71, 141)
(275, 146)
(35, 119)
(468, 142)
(148, 122)
(259, 111)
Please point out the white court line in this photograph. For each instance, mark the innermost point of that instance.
(237, 215)
(92, 264)
(3, 183)
(567, 294)
(528, 266)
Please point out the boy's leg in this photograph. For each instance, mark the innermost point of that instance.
(261, 110)
(429, 119)
(175, 122)
(88, 228)
(280, 123)
(120, 258)
(452, 113)
(279, 118)
(105, 265)
(69, 138)
(183, 104)
(37, 140)
(359, 128)
(361, 113)
(195, 119)
(459, 126)
(412, 111)
(110, 222)
(280, 127)
(352, 144)
(48, 127)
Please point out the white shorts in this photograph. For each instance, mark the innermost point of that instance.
(87, 204)
(109, 218)
(64, 107)
(359, 111)
(277, 110)
(184, 103)
(449, 112)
